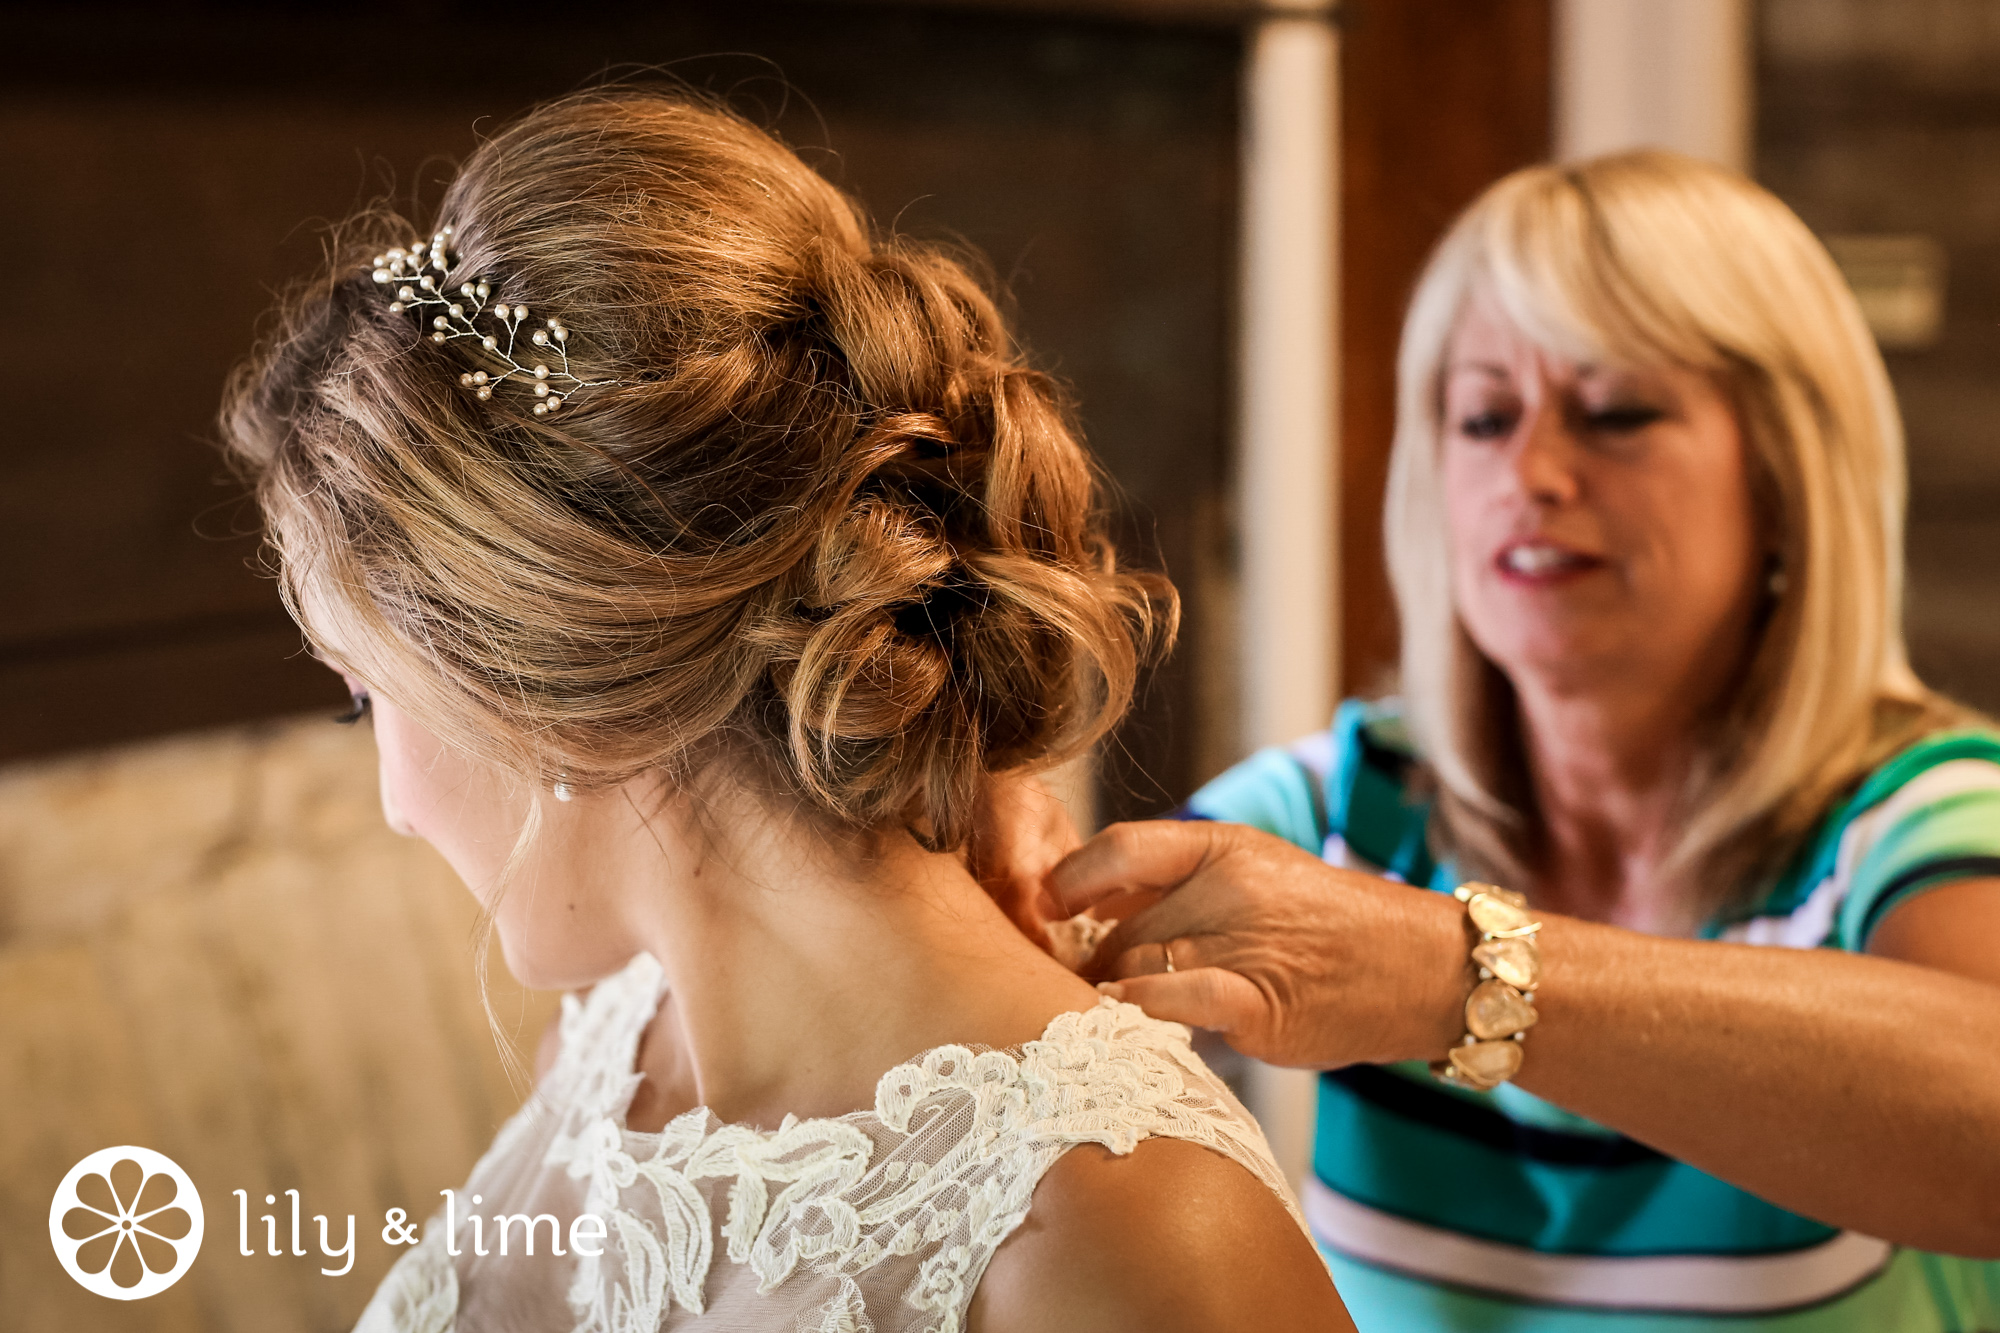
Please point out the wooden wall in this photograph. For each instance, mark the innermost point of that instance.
(1439, 98)
(161, 188)
(1876, 120)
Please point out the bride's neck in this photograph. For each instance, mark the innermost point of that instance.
(802, 964)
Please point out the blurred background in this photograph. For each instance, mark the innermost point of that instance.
(1209, 214)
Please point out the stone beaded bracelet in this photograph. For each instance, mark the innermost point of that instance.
(1501, 1008)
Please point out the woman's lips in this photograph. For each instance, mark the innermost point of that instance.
(1542, 564)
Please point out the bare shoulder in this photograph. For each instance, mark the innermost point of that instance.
(1172, 1236)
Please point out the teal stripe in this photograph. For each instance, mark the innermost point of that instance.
(1916, 1293)
(1369, 805)
(1271, 791)
(1431, 1175)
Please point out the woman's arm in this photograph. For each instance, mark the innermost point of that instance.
(1171, 1238)
(1954, 928)
(1861, 1091)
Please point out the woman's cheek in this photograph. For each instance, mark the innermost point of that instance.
(392, 808)
(1699, 571)
(1475, 527)
(441, 796)
(406, 756)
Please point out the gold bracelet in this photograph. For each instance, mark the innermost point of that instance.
(1501, 1008)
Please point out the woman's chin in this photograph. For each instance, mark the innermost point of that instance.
(1561, 661)
(542, 969)
(530, 969)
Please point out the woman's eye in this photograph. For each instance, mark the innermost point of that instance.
(359, 710)
(1621, 420)
(1486, 425)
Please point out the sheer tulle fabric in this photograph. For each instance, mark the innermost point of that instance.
(879, 1220)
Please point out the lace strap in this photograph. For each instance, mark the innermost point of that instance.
(600, 1037)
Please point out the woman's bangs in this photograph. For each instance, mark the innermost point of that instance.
(1551, 262)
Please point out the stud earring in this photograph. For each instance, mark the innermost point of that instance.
(563, 791)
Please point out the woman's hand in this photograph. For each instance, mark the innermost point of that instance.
(1294, 961)
(1858, 1091)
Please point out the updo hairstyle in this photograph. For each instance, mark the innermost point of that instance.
(826, 519)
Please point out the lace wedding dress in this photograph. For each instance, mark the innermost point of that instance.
(875, 1221)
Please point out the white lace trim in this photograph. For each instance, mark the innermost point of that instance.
(883, 1218)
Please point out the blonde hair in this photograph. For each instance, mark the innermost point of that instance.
(1650, 258)
(826, 519)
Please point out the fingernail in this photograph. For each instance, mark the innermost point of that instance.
(1111, 988)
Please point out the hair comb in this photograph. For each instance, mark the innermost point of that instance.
(425, 275)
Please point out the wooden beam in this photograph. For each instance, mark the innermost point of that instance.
(1438, 99)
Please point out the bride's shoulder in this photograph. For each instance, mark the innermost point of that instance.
(1169, 1236)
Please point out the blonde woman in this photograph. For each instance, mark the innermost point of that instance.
(700, 556)
(1718, 1051)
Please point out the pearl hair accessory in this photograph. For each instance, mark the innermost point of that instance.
(423, 273)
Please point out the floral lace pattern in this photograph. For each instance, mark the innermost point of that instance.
(878, 1220)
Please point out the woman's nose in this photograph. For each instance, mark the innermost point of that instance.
(1545, 456)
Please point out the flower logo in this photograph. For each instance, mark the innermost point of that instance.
(126, 1222)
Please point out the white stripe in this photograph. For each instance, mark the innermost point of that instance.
(1809, 923)
(1707, 1284)
(1335, 852)
(1315, 752)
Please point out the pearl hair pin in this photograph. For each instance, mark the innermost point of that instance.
(421, 276)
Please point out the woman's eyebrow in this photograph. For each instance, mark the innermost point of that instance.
(1618, 375)
(1491, 369)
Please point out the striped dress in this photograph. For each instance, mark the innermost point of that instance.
(1439, 1207)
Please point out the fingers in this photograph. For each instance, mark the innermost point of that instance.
(1198, 921)
(1156, 855)
(1180, 953)
(1032, 911)
(1208, 997)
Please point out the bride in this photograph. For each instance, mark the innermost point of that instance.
(701, 555)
